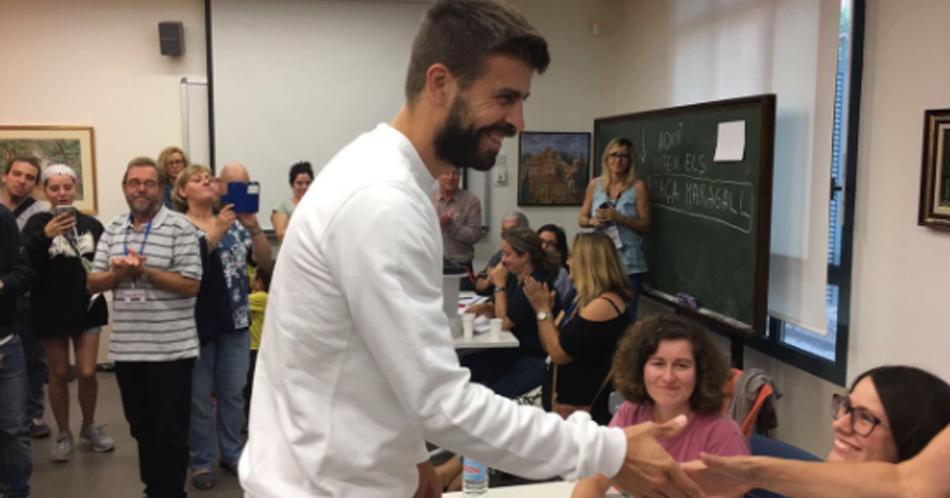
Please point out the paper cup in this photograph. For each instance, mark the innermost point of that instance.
(468, 325)
(495, 328)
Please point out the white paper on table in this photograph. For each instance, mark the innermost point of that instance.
(730, 144)
(482, 324)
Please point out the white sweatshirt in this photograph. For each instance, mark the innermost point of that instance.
(357, 368)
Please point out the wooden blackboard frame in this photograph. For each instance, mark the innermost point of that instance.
(765, 104)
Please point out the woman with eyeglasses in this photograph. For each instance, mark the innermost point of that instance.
(889, 416)
(617, 204)
(172, 161)
(554, 241)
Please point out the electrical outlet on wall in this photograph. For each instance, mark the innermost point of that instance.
(500, 171)
(501, 175)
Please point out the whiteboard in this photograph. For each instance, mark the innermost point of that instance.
(195, 129)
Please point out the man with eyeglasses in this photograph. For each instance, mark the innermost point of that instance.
(149, 258)
(460, 216)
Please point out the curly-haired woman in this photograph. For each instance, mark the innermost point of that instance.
(665, 367)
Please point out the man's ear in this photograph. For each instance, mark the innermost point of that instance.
(441, 85)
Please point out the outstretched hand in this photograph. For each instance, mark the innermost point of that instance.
(724, 476)
(649, 471)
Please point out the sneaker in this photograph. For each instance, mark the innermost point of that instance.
(62, 450)
(38, 428)
(96, 436)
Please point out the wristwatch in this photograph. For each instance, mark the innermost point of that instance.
(499, 289)
(543, 315)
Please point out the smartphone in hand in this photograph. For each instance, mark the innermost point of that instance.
(66, 209)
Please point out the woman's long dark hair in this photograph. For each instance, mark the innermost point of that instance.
(917, 403)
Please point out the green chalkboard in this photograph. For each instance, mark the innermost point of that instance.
(711, 219)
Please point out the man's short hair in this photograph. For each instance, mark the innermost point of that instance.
(32, 161)
(463, 34)
(142, 161)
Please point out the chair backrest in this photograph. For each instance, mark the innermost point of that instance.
(747, 425)
(764, 446)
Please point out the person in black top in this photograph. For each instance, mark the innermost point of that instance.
(61, 245)
(583, 339)
(14, 436)
(513, 372)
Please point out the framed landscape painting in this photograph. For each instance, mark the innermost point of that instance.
(73, 146)
(553, 168)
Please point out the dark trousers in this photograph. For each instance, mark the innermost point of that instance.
(35, 363)
(156, 399)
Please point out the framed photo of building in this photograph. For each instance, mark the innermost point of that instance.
(935, 171)
(73, 146)
(553, 168)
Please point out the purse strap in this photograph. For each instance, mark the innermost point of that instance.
(600, 390)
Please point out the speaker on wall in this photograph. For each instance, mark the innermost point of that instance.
(171, 38)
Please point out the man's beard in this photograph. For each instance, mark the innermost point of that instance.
(150, 208)
(458, 145)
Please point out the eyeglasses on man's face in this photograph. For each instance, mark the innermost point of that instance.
(136, 184)
(863, 422)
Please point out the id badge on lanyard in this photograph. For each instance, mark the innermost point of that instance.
(134, 295)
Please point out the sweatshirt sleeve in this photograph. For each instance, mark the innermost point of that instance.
(16, 276)
(388, 260)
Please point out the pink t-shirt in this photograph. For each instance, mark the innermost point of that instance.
(716, 434)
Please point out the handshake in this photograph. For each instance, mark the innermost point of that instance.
(649, 471)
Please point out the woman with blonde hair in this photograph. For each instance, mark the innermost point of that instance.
(221, 369)
(617, 204)
(171, 161)
(582, 340)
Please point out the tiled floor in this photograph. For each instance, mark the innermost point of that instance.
(103, 475)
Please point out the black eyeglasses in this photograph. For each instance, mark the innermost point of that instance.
(619, 155)
(863, 422)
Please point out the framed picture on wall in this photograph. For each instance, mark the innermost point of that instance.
(73, 146)
(553, 168)
(935, 174)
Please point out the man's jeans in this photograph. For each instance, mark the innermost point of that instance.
(16, 465)
(35, 363)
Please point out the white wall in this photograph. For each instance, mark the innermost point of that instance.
(98, 64)
(898, 277)
(577, 88)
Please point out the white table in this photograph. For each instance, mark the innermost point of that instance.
(483, 341)
(544, 490)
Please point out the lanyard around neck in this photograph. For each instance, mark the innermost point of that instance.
(125, 242)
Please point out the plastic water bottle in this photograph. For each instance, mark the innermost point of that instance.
(474, 477)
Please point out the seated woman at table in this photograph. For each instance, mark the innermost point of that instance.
(554, 241)
(582, 341)
(513, 372)
(665, 367)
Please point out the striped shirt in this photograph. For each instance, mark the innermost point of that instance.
(163, 327)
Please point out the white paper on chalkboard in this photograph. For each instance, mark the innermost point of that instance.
(730, 145)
